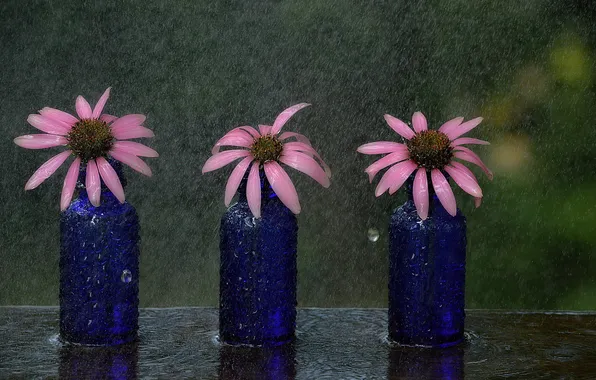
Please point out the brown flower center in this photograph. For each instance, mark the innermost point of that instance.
(266, 148)
(430, 149)
(90, 138)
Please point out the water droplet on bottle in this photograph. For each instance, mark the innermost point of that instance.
(373, 234)
(126, 276)
(249, 221)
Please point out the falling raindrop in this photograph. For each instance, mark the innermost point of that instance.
(126, 276)
(373, 234)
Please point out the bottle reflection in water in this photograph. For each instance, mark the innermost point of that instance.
(117, 363)
(426, 363)
(257, 363)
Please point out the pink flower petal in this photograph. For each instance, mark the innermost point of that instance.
(47, 125)
(402, 179)
(101, 104)
(135, 148)
(464, 170)
(468, 140)
(443, 191)
(381, 147)
(93, 183)
(248, 129)
(297, 136)
(395, 176)
(449, 125)
(463, 128)
(128, 121)
(399, 126)
(466, 183)
(46, 170)
(419, 122)
(237, 138)
(253, 190)
(282, 185)
(108, 118)
(265, 129)
(40, 141)
(83, 108)
(306, 165)
(235, 179)
(133, 161)
(70, 182)
(420, 193)
(308, 150)
(389, 159)
(221, 159)
(466, 154)
(110, 178)
(285, 115)
(135, 132)
(61, 116)
(477, 202)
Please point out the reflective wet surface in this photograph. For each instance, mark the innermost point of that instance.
(331, 344)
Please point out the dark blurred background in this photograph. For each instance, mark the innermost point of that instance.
(200, 68)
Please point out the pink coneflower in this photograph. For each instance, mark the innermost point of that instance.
(90, 138)
(428, 151)
(266, 149)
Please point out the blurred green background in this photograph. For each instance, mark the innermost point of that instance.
(200, 68)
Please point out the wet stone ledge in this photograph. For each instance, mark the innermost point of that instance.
(331, 344)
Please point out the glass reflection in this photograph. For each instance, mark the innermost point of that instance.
(80, 362)
(426, 363)
(258, 363)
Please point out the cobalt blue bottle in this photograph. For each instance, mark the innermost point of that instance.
(257, 304)
(426, 275)
(99, 269)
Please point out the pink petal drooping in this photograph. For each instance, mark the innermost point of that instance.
(253, 190)
(70, 182)
(93, 183)
(135, 148)
(443, 191)
(46, 170)
(306, 165)
(382, 163)
(132, 161)
(463, 128)
(110, 178)
(282, 186)
(221, 159)
(420, 193)
(235, 179)
(395, 176)
(466, 154)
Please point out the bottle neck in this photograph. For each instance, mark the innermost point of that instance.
(266, 189)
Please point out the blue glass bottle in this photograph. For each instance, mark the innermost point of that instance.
(99, 269)
(426, 275)
(257, 304)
